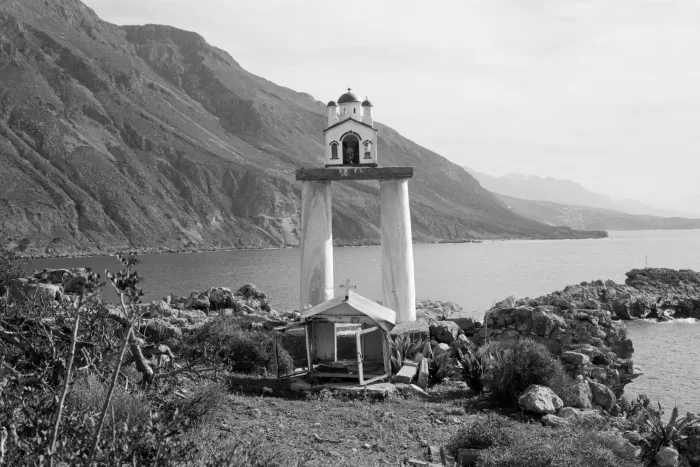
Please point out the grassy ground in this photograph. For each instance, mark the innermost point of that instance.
(334, 431)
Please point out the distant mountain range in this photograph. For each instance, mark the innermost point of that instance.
(147, 137)
(532, 187)
(563, 202)
(584, 217)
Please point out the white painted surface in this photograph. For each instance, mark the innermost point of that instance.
(332, 115)
(398, 281)
(363, 132)
(316, 244)
(367, 115)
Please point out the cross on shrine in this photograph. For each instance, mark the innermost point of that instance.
(347, 288)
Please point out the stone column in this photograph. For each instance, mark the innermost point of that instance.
(398, 282)
(317, 262)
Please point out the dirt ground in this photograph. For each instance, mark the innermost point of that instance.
(333, 430)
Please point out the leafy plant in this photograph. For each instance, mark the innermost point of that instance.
(441, 367)
(473, 365)
(404, 347)
(670, 433)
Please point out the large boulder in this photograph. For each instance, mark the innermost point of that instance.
(602, 395)
(445, 331)
(540, 399)
(580, 396)
(667, 457)
(220, 297)
(198, 301)
(193, 316)
(159, 329)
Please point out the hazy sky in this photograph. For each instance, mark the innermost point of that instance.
(602, 92)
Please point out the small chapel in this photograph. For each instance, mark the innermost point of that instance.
(351, 138)
(351, 154)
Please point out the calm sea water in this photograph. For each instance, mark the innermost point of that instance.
(473, 275)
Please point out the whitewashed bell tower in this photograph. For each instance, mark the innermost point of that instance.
(351, 154)
(351, 138)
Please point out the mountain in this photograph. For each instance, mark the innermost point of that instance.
(532, 187)
(147, 137)
(584, 217)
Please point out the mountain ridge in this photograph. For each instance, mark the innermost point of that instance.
(147, 137)
(550, 189)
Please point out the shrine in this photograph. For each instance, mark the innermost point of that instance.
(351, 154)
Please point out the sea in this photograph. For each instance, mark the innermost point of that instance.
(474, 275)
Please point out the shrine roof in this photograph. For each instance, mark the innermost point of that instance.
(383, 316)
(349, 119)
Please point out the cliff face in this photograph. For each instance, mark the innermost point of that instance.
(147, 137)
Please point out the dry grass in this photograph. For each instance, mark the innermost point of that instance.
(350, 432)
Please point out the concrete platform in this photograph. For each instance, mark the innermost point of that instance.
(353, 173)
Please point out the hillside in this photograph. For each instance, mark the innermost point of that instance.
(532, 187)
(147, 137)
(583, 217)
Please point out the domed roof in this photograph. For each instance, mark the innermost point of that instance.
(366, 103)
(332, 104)
(348, 97)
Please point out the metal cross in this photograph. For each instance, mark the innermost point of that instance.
(347, 288)
(348, 89)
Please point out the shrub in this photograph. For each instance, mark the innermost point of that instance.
(516, 364)
(636, 412)
(205, 401)
(12, 266)
(245, 351)
(405, 347)
(507, 443)
(88, 395)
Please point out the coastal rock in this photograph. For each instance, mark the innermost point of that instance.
(580, 396)
(602, 395)
(583, 338)
(666, 457)
(193, 316)
(220, 297)
(445, 331)
(575, 358)
(540, 399)
(198, 301)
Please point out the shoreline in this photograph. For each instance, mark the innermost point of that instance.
(155, 251)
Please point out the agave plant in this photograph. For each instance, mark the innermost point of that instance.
(404, 347)
(442, 366)
(474, 368)
(670, 433)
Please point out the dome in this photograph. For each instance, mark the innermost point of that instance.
(366, 103)
(332, 104)
(347, 98)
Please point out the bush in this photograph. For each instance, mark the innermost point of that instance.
(12, 266)
(506, 443)
(246, 351)
(515, 365)
(89, 393)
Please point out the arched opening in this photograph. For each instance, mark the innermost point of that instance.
(334, 150)
(351, 149)
(368, 149)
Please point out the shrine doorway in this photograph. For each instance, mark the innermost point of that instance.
(351, 149)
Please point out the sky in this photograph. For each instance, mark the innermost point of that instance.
(602, 92)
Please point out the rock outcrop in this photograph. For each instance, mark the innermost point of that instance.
(587, 340)
(660, 294)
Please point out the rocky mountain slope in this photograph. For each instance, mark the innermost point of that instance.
(531, 187)
(583, 217)
(147, 137)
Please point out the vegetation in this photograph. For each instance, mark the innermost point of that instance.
(473, 366)
(69, 395)
(12, 265)
(671, 433)
(507, 443)
(513, 365)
